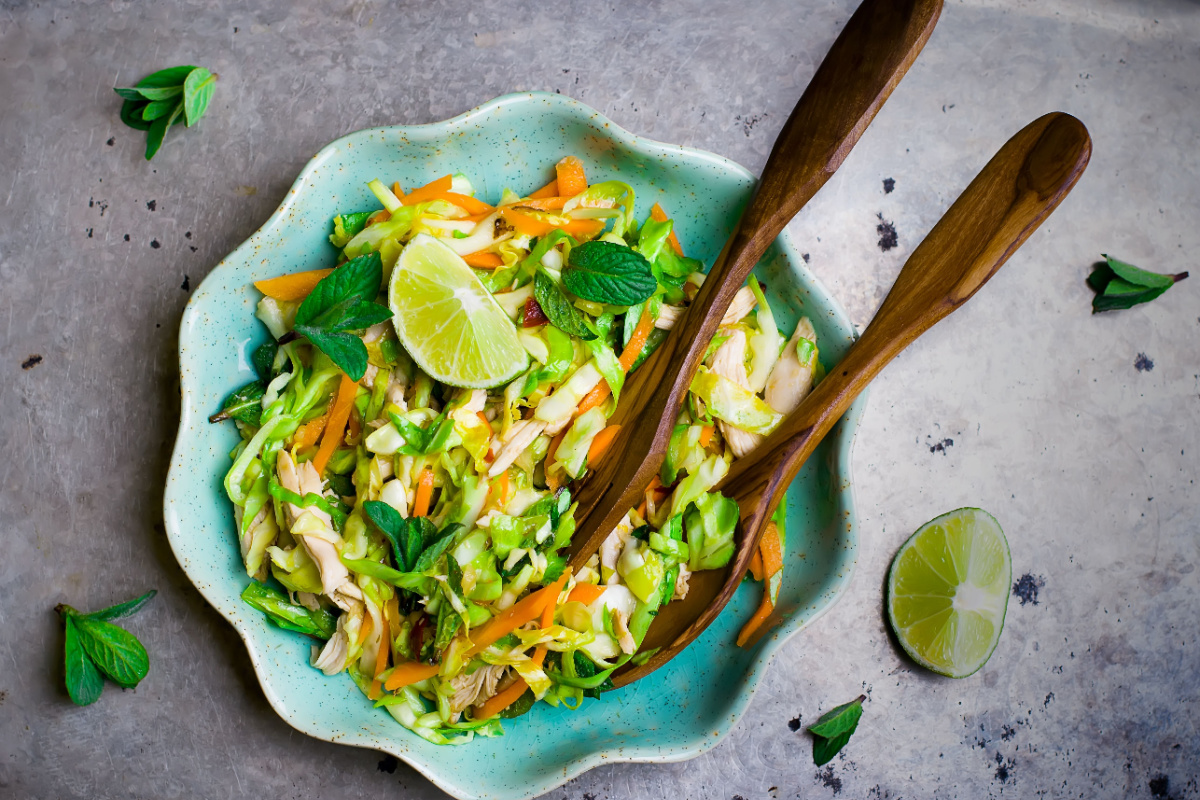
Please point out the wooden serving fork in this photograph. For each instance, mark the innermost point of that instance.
(1022, 184)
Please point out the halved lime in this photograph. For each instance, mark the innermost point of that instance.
(448, 322)
(948, 591)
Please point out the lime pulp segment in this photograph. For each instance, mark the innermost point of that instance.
(448, 322)
(948, 591)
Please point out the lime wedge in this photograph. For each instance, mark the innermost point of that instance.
(448, 322)
(948, 590)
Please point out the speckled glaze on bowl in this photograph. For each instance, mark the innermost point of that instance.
(510, 141)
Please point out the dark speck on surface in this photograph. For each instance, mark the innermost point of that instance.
(31, 362)
(1004, 769)
(887, 234)
(589, 796)
(1026, 588)
(749, 121)
(805, 257)
(794, 724)
(888, 185)
(1008, 733)
(89, 233)
(153, 204)
(1143, 363)
(1046, 702)
(388, 764)
(186, 285)
(192, 248)
(735, 797)
(1160, 786)
(155, 244)
(829, 780)
(940, 447)
(187, 235)
(112, 139)
(127, 237)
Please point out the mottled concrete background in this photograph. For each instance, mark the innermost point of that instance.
(1079, 433)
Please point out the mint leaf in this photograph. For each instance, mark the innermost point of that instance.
(558, 309)
(159, 94)
(155, 136)
(197, 92)
(407, 540)
(159, 108)
(434, 551)
(115, 651)
(288, 615)
(1119, 285)
(131, 114)
(171, 76)
(84, 683)
(120, 610)
(345, 350)
(244, 405)
(356, 281)
(606, 272)
(264, 360)
(834, 728)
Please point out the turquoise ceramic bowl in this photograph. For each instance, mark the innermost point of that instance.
(511, 141)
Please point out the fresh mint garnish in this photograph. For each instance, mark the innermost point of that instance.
(290, 616)
(341, 306)
(408, 536)
(245, 405)
(558, 309)
(1120, 285)
(95, 646)
(606, 272)
(834, 728)
(164, 98)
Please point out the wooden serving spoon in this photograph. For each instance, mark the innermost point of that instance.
(1007, 201)
(869, 57)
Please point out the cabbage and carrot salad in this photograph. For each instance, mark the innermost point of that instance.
(402, 490)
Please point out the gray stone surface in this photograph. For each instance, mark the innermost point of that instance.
(1043, 418)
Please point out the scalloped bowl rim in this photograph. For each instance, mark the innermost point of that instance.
(842, 438)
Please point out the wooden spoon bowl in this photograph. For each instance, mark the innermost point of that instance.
(1013, 194)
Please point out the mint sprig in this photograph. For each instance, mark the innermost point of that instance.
(834, 728)
(606, 272)
(341, 306)
(558, 309)
(96, 648)
(164, 98)
(1119, 285)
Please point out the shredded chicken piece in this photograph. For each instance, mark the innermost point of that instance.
(397, 385)
(681, 582)
(620, 622)
(308, 600)
(790, 381)
(610, 550)
(730, 362)
(472, 689)
(742, 304)
(319, 547)
(332, 658)
(368, 378)
(519, 436)
(476, 402)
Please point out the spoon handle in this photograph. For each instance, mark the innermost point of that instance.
(1022, 184)
(870, 56)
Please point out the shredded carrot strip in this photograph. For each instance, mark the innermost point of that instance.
(544, 203)
(772, 552)
(638, 340)
(571, 180)
(382, 215)
(755, 622)
(601, 443)
(549, 190)
(381, 659)
(364, 630)
(467, 203)
(296, 286)
(424, 493)
(336, 426)
(484, 259)
(585, 593)
(641, 509)
(502, 700)
(756, 567)
(397, 189)
(706, 435)
(658, 215)
(595, 397)
(409, 673)
(308, 434)
(500, 486)
(583, 228)
(524, 223)
(516, 615)
(429, 191)
(483, 417)
(552, 480)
